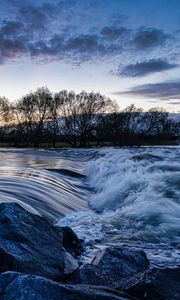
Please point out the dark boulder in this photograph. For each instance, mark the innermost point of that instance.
(16, 286)
(111, 266)
(33, 245)
(71, 242)
(155, 284)
(94, 275)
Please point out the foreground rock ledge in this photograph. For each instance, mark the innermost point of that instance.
(33, 245)
(111, 267)
(155, 284)
(16, 286)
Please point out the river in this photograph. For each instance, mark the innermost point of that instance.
(123, 196)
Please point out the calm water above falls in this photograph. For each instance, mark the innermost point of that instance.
(45, 182)
(108, 196)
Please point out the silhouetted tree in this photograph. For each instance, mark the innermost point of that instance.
(32, 111)
(80, 113)
(121, 128)
(79, 119)
(4, 110)
(154, 121)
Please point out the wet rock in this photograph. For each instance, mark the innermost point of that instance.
(71, 242)
(93, 275)
(111, 266)
(16, 286)
(32, 245)
(155, 284)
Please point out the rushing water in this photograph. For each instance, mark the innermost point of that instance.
(127, 196)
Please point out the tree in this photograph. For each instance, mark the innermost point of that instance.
(154, 121)
(80, 114)
(32, 111)
(4, 110)
(132, 119)
(121, 128)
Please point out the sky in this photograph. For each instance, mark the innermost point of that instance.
(128, 50)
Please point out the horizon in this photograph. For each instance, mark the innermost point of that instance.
(125, 50)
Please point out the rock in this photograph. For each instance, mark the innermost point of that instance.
(111, 266)
(32, 245)
(71, 242)
(94, 275)
(17, 286)
(128, 261)
(156, 284)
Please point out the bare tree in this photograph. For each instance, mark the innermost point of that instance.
(132, 119)
(32, 111)
(80, 113)
(79, 119)
(5, 113)
(4, 110)
(154, 121)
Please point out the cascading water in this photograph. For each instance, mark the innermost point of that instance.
(136, 201)
(127, 196)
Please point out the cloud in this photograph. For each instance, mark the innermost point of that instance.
(13, 3)
(64, 4)
(11, 49)
(75, 49)
(113, 32)
(82, 43)
(149, 38)
(11, 28)
(36, 17)
(169, 90)
(174, 102)
(57, 30)
(140, 69)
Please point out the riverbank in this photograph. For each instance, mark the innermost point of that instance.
(60, 145)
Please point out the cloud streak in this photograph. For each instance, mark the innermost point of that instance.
(141, 69)
(168, 91)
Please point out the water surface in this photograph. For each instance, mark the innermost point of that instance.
(128, 196)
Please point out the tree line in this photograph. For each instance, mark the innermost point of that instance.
(80, 120)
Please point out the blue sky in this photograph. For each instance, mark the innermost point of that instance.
(125, 49)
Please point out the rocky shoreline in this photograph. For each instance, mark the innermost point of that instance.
(40, 261)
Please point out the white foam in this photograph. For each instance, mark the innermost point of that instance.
(143, 191)
(136, 199)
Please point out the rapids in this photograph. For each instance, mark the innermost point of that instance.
(127, 196)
